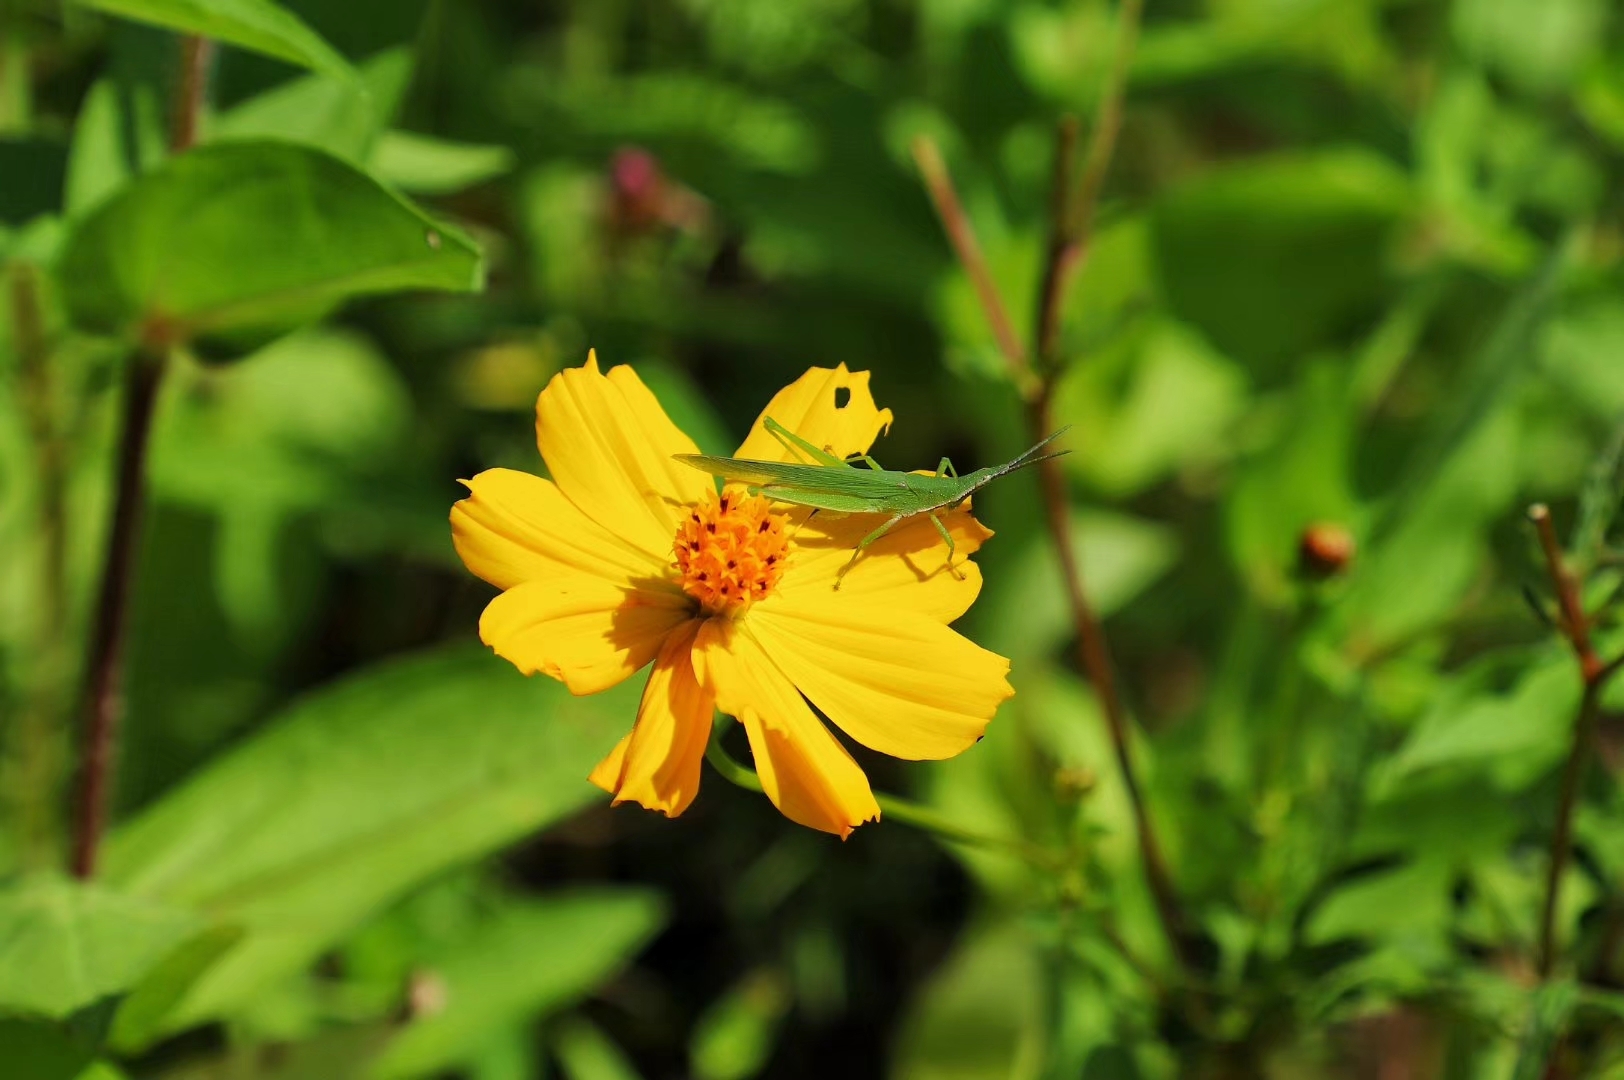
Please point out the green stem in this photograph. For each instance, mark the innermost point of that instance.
(897, 809)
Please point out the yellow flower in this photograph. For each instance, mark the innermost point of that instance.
(626, 557)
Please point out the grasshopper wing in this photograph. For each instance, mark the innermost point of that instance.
(755, 473)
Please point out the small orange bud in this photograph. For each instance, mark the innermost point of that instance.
(1324, 551)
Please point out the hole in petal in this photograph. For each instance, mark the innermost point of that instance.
(842, 397)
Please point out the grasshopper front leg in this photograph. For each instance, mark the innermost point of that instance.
(862, 545)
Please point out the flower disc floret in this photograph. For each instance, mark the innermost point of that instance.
(731, 551)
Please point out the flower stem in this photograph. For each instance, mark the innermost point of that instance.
(898, 809)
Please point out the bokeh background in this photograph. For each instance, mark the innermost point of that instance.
(1356, 265)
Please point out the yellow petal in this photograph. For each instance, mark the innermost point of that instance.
(803, 768)
(905, 570)
(657, 765)
(606, 773)
(514, 527)
(584, 631)
(810, 407)
(608, 444)
(898, 682)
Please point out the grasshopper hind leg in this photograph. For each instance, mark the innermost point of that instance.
(862, 545)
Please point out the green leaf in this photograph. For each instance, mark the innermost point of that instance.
(65, 945)
(735, 1035)
(1412, 900)
(1164, 401)
(342, 116)
(256, 25)
(357, 794)
(1120, 556)
(140, 1016)
(1232, 242)
(1514, 737)
(586, 1053)
(980, 1016)
(424, 165)
(252, 236)
(530, 960)
(119, 127)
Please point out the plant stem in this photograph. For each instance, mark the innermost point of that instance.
(104, 696)
(1094, 656)
(1575, 625)
(1071, 225)
(1070, 229)
(939, 184)
(1584, 727)
(898, 809)
(196, 53)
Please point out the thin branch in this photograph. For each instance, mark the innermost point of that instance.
(1062, 251)
(104, 693)
(1094, 656)
(1584, 729)
(1072, 215)
(104, 696)
(1071, 226)
(1070, 229)
(1575, 625)
(196, 54)
(939, 184)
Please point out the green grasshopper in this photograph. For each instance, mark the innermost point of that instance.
(836, 485)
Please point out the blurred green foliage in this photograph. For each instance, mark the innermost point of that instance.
(1359, 264)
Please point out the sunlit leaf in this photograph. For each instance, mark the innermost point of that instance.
(355, 795)
(65, 945)
(257, 25)
(424, 165)
(340, 115)
(251, 236)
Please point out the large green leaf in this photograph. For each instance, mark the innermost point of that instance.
(65, 945)
(355, 795)
(256, 25)
(251, 236)
(530, 960)
(1232, 242)
(342, 116)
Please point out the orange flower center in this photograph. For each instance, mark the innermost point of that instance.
(731, 551)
